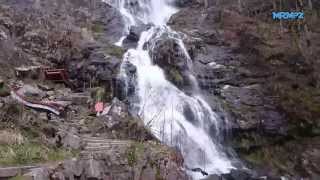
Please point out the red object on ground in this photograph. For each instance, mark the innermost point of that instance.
(57, 75)
(99, 107)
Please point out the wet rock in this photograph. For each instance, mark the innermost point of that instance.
(129, 81)
(239, 175)
(134, 35)
(189, 114)
(120, 88)
(167, 52)
(130, 68)
(169, 55)
(213, 177)
(183, 3)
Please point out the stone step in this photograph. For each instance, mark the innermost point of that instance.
(107, 147)
(95, 140)
(106, 144)
(91, 154)
(86, 153)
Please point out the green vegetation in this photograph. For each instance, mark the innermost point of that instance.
(97, 28)
(275, 156)
(158, 174)
(17, 178)
(301, 104)
(31, 153)
(115, 51)
(134, 152)
(131, 157)
(175, 77)
(4, 90)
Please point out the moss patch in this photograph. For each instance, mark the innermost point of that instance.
(175, 76)
(302, 104)
(18, 178)
(97, 28)
(115, 51)
(134, 152)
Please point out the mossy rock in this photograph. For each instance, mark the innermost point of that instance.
(175, 77)
(115, 51)
(97, 28)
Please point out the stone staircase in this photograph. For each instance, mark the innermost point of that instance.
(94, 146)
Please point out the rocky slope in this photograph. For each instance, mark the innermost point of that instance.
(263, 77)
(76, 36)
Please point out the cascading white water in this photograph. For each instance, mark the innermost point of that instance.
(162, 105)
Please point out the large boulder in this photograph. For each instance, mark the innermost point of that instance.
(168, 54)
(134, 35)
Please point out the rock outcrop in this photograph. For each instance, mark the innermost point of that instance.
(78, 37)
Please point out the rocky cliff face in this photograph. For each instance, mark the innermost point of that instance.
(76, 36)
(264, 76)
(261, 76)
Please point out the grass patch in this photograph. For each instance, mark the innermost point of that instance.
(134, 153)
(31, 153)
(18, 178)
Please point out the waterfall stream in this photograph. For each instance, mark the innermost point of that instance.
(161, 104)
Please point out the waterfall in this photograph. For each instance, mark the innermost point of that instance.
(163, 106)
